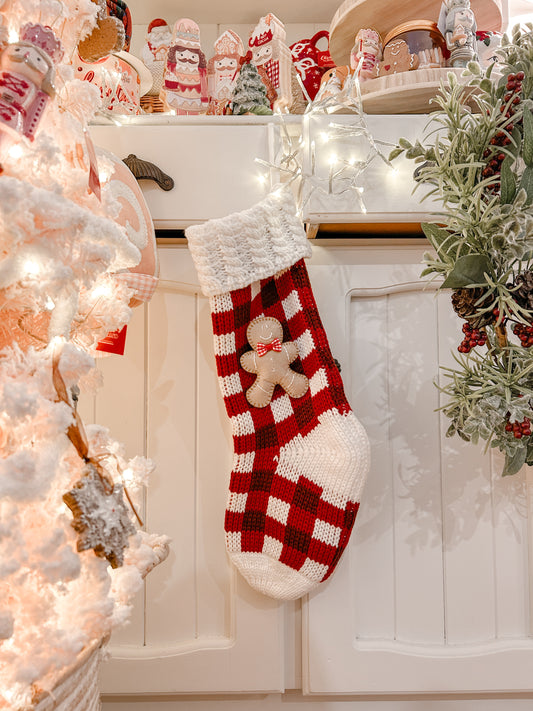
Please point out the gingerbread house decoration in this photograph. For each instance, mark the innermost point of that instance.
(222, 71)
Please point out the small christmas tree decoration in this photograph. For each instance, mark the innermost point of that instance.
(101, 517)
(270, 53)
(223, 70)
(250, 95)
(27, 73)
(185, 78)
(300, 455)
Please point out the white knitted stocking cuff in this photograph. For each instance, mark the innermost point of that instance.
(232, 252)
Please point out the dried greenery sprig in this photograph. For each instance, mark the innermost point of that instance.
(477, 161)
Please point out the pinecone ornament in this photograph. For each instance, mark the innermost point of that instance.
(466, 304)
(524, 291)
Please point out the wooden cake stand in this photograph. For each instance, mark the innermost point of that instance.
(406, 92)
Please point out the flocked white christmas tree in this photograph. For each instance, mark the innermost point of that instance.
(65, 515)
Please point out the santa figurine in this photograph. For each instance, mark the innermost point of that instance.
(185, 79)
(154, 55)
(27, 73)
(272, 57)
(158, 38)
(222, 71)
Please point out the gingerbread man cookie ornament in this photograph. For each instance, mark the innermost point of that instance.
(397, 58)
(270, 359)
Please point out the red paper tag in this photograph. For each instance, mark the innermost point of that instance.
(114, 342)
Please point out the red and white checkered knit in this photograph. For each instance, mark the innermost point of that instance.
(299, 464)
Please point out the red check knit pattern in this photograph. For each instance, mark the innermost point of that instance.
(281, 505)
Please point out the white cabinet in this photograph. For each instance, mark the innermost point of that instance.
(433, 592)
(213, 161)
(197, 625)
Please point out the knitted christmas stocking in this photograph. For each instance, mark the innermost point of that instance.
(300, 454)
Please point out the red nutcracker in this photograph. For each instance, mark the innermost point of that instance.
(27, 73)
(271, 55)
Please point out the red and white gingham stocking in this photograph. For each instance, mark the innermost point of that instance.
(299, 463)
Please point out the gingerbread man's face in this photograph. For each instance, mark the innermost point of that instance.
(264, 330)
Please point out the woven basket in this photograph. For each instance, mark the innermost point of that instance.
(76, 689)
(152, 104)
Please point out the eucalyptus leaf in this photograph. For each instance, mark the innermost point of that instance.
(404, 143)
(435, 234)
(395, 153)
(515, 463)
(508, 182)
(527, 183)
(469, 270)
(527, 150)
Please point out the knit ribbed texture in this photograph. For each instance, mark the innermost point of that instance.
(300, 463)
(232, 252)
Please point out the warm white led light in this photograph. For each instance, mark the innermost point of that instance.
(15, 151)
(102, 290)
(31, 268)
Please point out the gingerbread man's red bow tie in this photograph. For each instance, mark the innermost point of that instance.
(263, 348)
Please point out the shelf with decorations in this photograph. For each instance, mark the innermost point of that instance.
(409, 42)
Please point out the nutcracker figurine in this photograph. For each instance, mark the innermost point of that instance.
(185, 79)
(271, 55)
(458, 25)
(27, 73)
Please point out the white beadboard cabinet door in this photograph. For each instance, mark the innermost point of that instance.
(433, 593)
(197, 627)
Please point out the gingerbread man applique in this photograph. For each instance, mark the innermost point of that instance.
(397, 58)
(270, 360)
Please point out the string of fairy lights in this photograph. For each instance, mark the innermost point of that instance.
(329, 155)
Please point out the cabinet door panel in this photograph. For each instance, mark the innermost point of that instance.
(433, 593)
(200, 624)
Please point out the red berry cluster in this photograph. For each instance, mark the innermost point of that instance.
(524, 333)
(473, 337)
(511, 100)
(519, 429)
